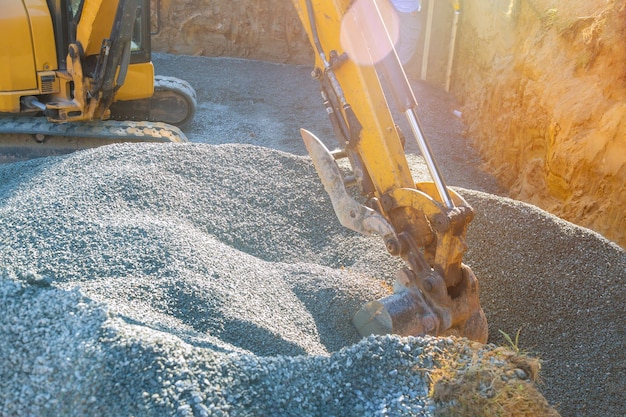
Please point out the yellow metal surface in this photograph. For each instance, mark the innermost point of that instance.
(10, 101)
(139, 82)
(380, 146)
(42, 35)
(95, 24)
(80, 107)
(17, 63)
(28, 48)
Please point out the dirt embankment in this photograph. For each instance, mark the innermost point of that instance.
(267, 30)
(542, 86)
(544, 97)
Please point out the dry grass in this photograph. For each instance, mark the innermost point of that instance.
(488, 381)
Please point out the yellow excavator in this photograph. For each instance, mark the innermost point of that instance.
(424, 223)
(85, 66)
(69, 68)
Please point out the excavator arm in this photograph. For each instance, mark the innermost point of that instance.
(425, 223)
(94, 93)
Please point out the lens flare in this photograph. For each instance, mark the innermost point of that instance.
(369, 30)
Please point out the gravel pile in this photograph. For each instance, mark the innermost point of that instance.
(146, 279)
(149, 280)
(143, 279)
(563, 286)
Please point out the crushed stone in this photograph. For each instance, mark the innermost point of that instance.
(191, 279)
(215, 280)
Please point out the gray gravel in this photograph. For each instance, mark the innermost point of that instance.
(563, 287)
(143, 279)
(266, 104)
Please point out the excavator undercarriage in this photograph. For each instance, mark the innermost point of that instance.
(27, 137)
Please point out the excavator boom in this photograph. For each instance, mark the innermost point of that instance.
(425, 224)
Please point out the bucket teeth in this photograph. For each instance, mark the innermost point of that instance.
(350, 213)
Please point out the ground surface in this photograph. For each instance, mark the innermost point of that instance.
(531, 279)
(151, 280)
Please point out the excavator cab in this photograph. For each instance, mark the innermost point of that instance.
(65, 15)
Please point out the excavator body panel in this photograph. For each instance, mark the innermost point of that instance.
(27, 54)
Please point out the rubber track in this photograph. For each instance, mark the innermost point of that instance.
(172, 83)
(33, 137)
(183, 89)
(109, 130)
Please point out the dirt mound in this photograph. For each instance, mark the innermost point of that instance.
(268, 29)
(543, 88)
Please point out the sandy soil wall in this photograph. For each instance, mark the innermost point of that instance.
(543, 87)
(256, 29)
(542, 84)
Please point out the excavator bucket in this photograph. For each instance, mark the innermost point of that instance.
(407, 313)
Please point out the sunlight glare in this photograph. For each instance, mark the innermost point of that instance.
(362, 33)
